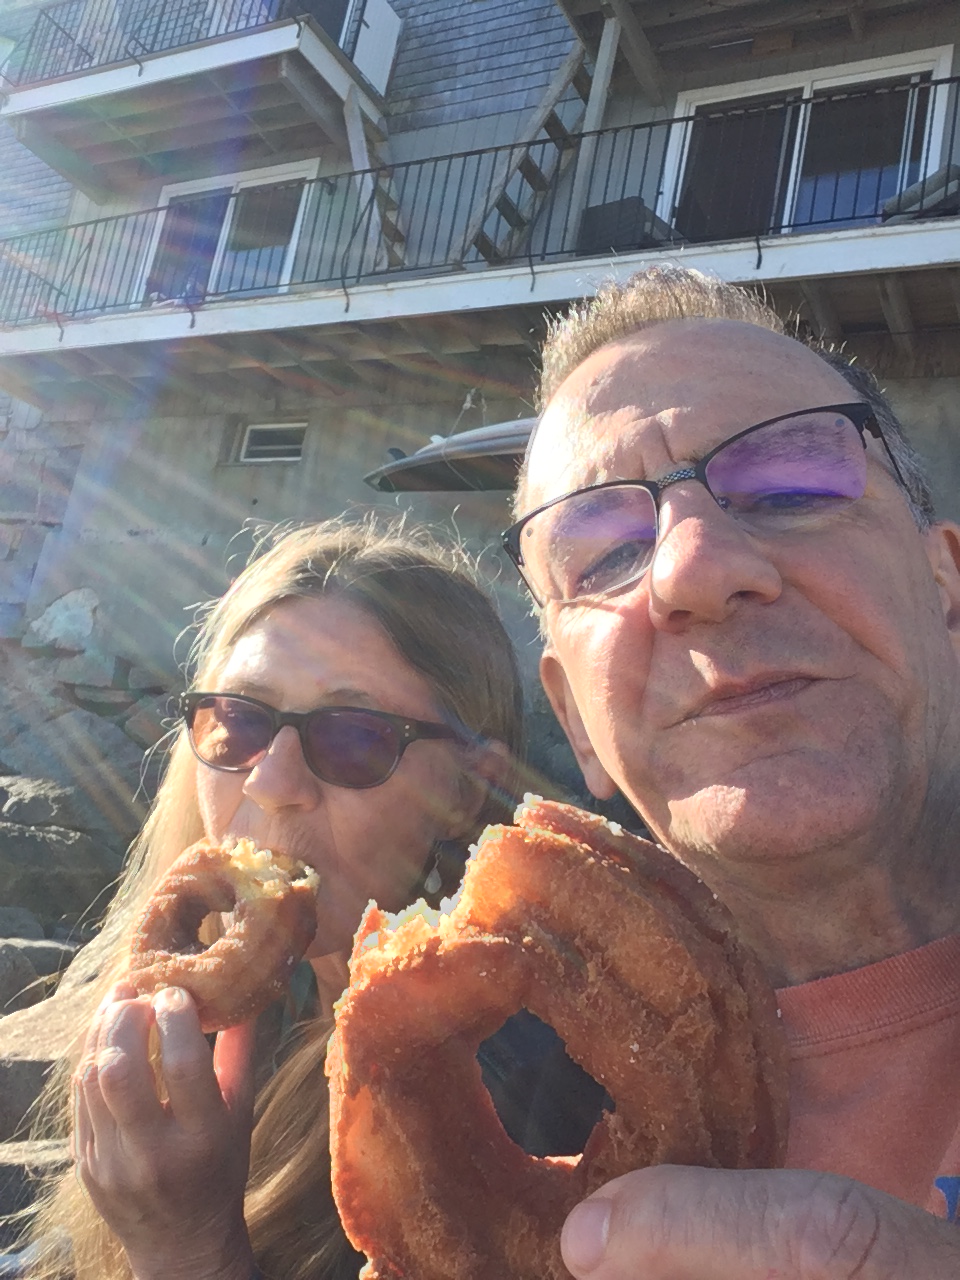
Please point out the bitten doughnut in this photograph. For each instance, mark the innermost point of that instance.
(636, 966)
(271, 901)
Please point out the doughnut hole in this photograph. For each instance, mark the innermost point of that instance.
(547, 1103)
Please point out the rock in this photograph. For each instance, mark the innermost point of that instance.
(38, 801)
(149, 721)
(15, 922)
(46, 956)
(22, 1166)
(147, 680)
(91, 668)
(90, 754)
(67, 623)
(19, 985)
(11, 621)
(30, 801)
(103, 702)
(31, 1041)
(53, 872)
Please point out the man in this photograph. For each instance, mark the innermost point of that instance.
(760, 650)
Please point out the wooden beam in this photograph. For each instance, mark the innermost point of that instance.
(89, 128)
(187, 136)
(668, 13)
(896, 312)
(953, 278)
(593, 120)
(672, 32)
(302, 86)
(821, 308)
(569, 10)
(637, 50)
(293, 143)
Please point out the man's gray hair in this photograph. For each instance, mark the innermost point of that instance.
(664, 293)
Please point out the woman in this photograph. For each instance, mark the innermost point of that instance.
(333, 615)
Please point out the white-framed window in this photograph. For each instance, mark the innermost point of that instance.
(823, 148)
(229, 234)
(272, 442)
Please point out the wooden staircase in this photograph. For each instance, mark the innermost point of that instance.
(393, 241)
(531, 169)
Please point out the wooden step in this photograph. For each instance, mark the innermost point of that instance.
(486, 247)
(556, 130)
(391, 232)
(510, 213)
(385, 201)
(533, 175)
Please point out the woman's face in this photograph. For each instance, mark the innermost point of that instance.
(373, 843)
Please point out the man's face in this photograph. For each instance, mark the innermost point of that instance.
(754, 697)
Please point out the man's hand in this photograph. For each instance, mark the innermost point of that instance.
(673, 1223)
(167, 1177)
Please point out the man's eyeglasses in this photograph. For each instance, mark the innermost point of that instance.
(774, 477)
(346, 746)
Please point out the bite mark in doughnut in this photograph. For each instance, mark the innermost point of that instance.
(271, 901)
(638, 968)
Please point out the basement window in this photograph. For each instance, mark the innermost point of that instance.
(273, 442)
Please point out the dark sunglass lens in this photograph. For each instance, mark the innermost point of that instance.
(591, 542)
(229, 733)
(351, 748)
(800, 466)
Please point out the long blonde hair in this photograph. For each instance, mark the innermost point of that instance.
(426, 598)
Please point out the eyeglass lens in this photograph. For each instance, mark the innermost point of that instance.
(350, 748)
(770, 480)
(231, 734)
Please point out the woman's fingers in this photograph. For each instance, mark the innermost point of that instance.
(186, 1059)
(123, 1078)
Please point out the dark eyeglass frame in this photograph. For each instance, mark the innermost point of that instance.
(861, 414)
(406, 729)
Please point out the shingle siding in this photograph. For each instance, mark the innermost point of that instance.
(468, 58)
(31, 194)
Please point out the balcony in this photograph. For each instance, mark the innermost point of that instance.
(843, 229)
(116, 93)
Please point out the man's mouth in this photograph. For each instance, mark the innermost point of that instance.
(734, 697)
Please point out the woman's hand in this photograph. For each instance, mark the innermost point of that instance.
(167, 1178)
(673, 1223)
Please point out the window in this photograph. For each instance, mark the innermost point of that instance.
(800, 154)
(233, 235)
(273, 442)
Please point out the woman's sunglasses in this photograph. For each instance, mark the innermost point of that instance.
(346, 746)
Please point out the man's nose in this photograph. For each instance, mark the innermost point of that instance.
(282, 780)
(705, 564)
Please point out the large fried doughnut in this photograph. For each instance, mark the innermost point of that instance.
(272, 904)
(636, 966)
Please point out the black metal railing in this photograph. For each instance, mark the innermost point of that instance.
(760, 170)
(80, 35)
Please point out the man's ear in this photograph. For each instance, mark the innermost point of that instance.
(557, 688)
(943, 551)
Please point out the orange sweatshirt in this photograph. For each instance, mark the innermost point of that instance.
(875, 1075)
